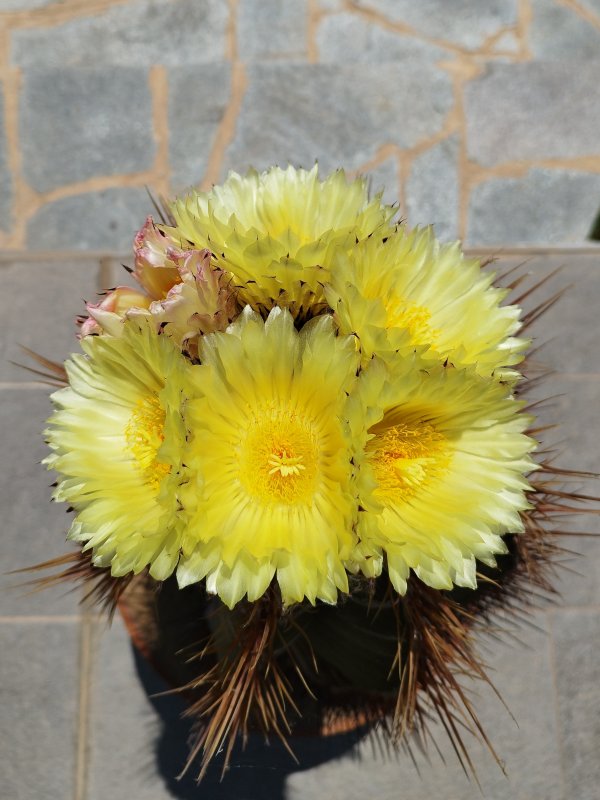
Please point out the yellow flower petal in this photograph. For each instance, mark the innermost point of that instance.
(405, 290)
(116, 438)
(442, 458)
(277, 231)
(272, 461)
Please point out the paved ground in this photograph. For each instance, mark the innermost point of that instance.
(75, 720)
(479, 115)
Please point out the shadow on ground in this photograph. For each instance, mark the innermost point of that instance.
(256, 773)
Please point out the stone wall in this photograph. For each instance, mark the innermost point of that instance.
(481, 116)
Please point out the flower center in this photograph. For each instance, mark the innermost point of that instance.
(285, 465)
(144, 435)
(406, 455)
(279, 458)
(403, 314)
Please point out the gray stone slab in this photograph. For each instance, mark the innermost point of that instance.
(272, 29)
(507, 43)
(5, 176)
(124, 726)
(573, 408)
(338, 115)
(533, 110)
(576, 635)
(557, 32)
(568, 331)
(38, 692)
(26, 5)
(330, 5)
(591, 5)
(198, 98)
(565, 340)
(522, 676)
(432, 189)
(346, 37)
(578, 578)
(570, 404)
(138, 33)
(80, 123)
(384, 178)
(550, 206)
(106, 220)
(38, 308)
(461, 22)
(33, 528)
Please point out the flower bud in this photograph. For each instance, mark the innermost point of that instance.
(107, 315)
(203, 302)
(155, 269)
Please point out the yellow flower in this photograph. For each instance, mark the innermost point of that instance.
(442, 462)
(117, 437)
(272, 461)
(406, 291)
(277, 231)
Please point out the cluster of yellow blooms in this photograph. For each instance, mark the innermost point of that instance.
(301, 390)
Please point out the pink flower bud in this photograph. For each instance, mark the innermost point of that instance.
(155, 269)
(107, 315)
(203, 302)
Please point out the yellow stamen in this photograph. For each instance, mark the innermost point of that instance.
(403, 314)
(406, 455)
(279, 458)
(144, 435)
(286, 465)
